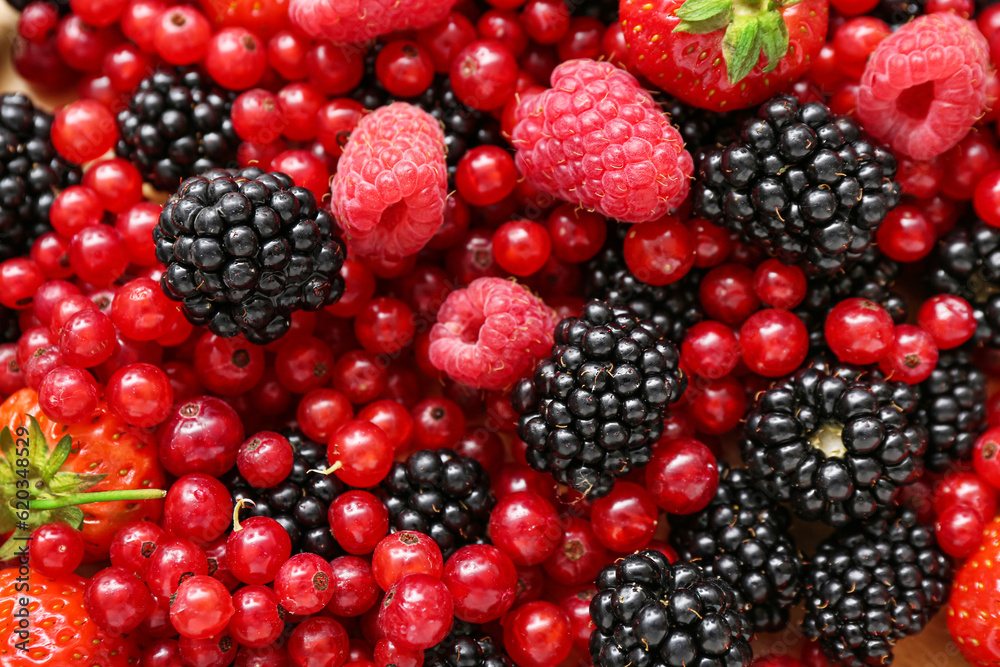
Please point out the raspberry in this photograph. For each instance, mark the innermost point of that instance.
(362, 20)
(391, 182)
(491, 333)
(598, 139)
(925, 85)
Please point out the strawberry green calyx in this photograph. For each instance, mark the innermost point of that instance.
(35, 491)
(751, 26)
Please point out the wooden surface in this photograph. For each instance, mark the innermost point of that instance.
(933, 648)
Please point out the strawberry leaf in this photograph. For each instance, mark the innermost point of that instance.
(57, 458)
(741, 47)
(64, 483)
(7, 446)
(774, 38)
(14, 548)
(38, 448)
(69, 515)
(699, 17)
(7, 522)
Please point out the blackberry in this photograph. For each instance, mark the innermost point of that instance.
(871, 277)
(466, 646)
(177, 125)
(700, 127)
(245, 249)
(952, 408)
(742, 537)
(834, 440)
(673, 308)
(464, 127)
(898, 12)
(441, 494)
(61, 5)
(31, 171)
(605, 11)
(873, 584)
(300, 502)
(649, 612)
(967, 263)
(595, 407)
(803, 184)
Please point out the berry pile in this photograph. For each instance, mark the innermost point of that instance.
(495, 333)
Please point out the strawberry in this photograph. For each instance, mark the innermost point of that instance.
(102, 456)
(59, 630)
(724, 54)
(974, 608)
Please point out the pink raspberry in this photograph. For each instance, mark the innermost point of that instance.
(391, 182)
(362, 20)
(491, 333)
(925, 86)
(598, 139)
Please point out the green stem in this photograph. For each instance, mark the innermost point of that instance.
(97, 497)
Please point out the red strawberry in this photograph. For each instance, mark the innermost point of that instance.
(59, 630)
(724, 54)
(98, 456)
(974, 606)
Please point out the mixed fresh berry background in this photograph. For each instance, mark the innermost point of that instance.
(492, 333)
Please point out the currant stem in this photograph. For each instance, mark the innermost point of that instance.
(98, 497)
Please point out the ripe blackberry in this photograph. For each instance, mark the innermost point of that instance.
(742, 537)
(873, 584)
(602, 10)
(177, 125)
(871, 277)
(245, 249)
(834, 440)
(299, 503)
(464, 127)
(700, 127)
(967, 262)
(952, 408)
(595, 407)
(673, 308)
(649, 612)
(441, 494)
(898, 12)
(803, 184)
(466, 646)
(31, 171)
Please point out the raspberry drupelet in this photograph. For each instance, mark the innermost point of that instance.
(491, 333)
(352, 21)
(925, 85)
(596, 138)
(391, 183)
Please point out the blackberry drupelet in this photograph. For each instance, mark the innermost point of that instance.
(700, 127)
(673, 308)
(742, 537)
(466, 646)
(898, 12)
(245, 249)
(441, 494)
(177, 125)
(873, 584)
(871, 277)
(834, 440)
(803, 184)
(299, 503)
(649, 612)
(31, 171)
(594, 408)
(952, 408)
(966, 262)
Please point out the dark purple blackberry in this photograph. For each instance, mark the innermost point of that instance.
(742, 537)
(299, 503)
(177, 125)
(649, 612)
(952, 408)
(61, 5)
(594, 408)
(966, 262)
(835, 441)
(441, 494)
(699, 127)
(604, 11)
(802, 184)
(31, 172)
(871, 277)
(246, 249)
(898, 12)
(672, 308)
(466, 646)
(873, 584)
